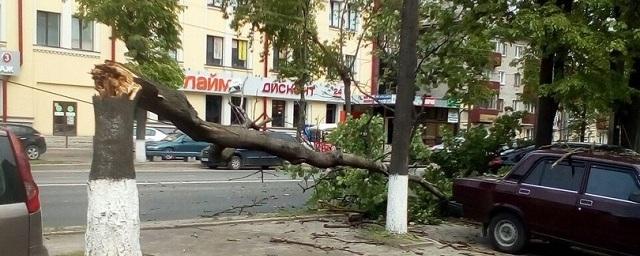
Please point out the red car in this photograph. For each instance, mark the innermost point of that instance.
(586, 199)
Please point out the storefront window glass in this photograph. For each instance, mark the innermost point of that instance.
(213, 108)
(65, 118)
(278, 111)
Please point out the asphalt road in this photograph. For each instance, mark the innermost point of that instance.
(172, 193)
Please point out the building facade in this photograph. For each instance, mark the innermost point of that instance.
(53, 91)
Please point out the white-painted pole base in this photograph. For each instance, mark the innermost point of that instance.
(397, 197)
(141, 154)
(113, 223)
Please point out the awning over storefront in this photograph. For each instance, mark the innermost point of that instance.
(213, 83)
(390, 99)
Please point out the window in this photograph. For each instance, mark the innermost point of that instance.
(11, 190)
(352, 18)
(490, 104)
(279, 57)
(64, 118)
(239, 53)
(48, 29)
(336, 7)
(607, 182)
(531, 108)
(563, 176)
(81, 34)
(331, 113)
(501, 104)
(517, 79)
(173, 54)
(237, 118)
(214, 3)
(213, 108)
(502, 77)
(150, 132)
(214, 50)
(515, 105)
(501, 48)
(350, 61)
(519, 51)
(278, 112)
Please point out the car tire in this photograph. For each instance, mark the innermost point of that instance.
(507, 233)
(235, 163)
(33, 152)
(168, 154)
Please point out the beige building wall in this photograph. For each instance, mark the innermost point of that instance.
(60, 73)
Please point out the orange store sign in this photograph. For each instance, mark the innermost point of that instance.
(210, 83)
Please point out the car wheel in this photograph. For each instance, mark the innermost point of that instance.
(235, 163)
(507, 233)
(33, 152)
(168, 154)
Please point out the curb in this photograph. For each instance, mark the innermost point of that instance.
(139, 165)
(168, 224)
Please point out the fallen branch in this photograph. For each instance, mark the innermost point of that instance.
(173, 105)
(241, 207)
(317, 246)
(333, 237)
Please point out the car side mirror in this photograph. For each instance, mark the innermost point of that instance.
(635, 197)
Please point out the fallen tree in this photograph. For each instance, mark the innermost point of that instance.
(172, 105)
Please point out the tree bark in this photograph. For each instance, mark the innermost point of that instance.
(113, 223)
(398, 179)
(628, 115)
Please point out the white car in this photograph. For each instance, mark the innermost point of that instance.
(151, 134)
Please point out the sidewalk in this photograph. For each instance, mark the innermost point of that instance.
(284, 237)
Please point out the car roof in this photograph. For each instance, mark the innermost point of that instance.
(626, 157)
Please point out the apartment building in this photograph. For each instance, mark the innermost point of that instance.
(53, 90)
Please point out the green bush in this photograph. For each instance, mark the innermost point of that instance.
(471, 154)
(360, 190)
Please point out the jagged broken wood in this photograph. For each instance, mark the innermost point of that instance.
(173, 105)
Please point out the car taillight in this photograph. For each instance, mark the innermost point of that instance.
(33, 196)
(24, 168)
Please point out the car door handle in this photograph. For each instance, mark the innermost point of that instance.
(586, 202)
(524, 191)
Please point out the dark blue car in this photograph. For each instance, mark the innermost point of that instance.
(175, 146)
(245, 157)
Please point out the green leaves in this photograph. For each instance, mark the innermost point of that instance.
(150, 29)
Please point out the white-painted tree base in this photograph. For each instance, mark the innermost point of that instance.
(141, 153)
(397, 197)
(113, 223)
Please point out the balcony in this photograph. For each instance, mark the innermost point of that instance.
(529, 119)
(483, 115)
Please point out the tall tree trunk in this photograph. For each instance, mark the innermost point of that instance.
(398, 173)
(302, 115)
(141, 127)
(617, 67)
(113, 223)
(628, 115)
(347, 95)
(547, 105)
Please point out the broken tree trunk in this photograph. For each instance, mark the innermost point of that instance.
(113, 222)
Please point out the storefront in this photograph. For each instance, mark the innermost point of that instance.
(434, 114)
(211, 95)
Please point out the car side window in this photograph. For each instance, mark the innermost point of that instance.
(187, 139)
(150, 132)
(611, 182)
(10, 185)
(564, 175)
